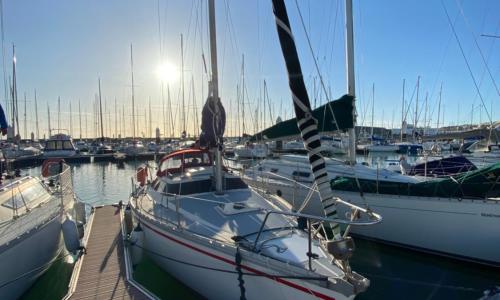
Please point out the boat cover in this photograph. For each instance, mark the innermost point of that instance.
(481, 183)
(341, 108)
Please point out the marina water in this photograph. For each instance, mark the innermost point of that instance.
(395, 273)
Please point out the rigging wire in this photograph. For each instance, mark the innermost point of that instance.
(466, 60)
(460, 8)
(470, 71)
(316, 63)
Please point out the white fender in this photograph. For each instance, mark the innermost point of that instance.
(70, 234)
(137, 242)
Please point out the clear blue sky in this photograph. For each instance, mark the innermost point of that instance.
(62, 48)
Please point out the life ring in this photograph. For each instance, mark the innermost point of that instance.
(142, 175)
(52, 166)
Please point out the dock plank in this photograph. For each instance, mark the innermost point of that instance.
(102, 274)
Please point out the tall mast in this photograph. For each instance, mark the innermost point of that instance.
(48, 120)
(351, 87)
(86, 126)
(439, 107)
(243, 93)
(403, 112)
(115, 135)
(122, 125)
(70, 120)
(150, 131)
(58, 114)
(171, 117)
(415, 123)
(238, 108)
(15, 120)
(425, 112)
(214, 84)
(182, 88)
(373, 108)
(163, 111)
(80, 118)
(133, 100)
(25, 120)
(197, 127)
(36, 119)
(100, 109)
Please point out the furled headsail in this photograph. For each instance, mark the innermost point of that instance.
(333, 116)
(213, 123)
(307, 123)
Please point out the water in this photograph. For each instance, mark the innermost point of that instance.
(395, 273)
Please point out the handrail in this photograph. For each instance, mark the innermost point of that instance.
(337, 199)
(376, 218)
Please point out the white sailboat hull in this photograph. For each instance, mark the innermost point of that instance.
(24, 262)
(219, 285)
(461, 228)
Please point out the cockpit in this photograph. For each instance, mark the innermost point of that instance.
(180, 161)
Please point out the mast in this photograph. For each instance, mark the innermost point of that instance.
(122, 125)
(403, 112)
(133, 100)
(416, 112)
(171, 117)
(86, 126)
(238, 108)
(100, 110)
(70, 120)
(150, 130)
(214, 84)
(58, 114)
(115, 135)
(80, 118)
(243, 94)
(36, 119)
(351, 87)
(163, 111)
(25, 120)
(194, 109)
(182, 88)
(48, 120)
(15, 120)
(439, 107)
(425, 113)
(373, 108)
(305, 121)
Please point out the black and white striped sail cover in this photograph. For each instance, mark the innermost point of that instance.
(307, 124)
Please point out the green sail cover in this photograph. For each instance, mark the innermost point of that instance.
(481, 183)
(341, 108)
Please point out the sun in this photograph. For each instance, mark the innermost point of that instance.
(167, 72)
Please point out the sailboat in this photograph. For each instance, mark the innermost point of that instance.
(35, 213)
(206, 227)
(457, 216)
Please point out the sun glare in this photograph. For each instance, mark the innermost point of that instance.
(167, 72)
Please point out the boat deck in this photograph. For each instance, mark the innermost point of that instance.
(101, 273)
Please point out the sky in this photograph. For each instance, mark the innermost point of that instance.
(63, 47)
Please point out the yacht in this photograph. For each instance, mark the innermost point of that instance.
(184, 218)
(59, 145)
(454, 212)
(133, 148)
(251, 150)
(225, 240)
(34, 214)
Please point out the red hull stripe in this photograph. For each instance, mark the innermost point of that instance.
(255, 271)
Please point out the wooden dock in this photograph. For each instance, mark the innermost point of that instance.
(101, 272)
